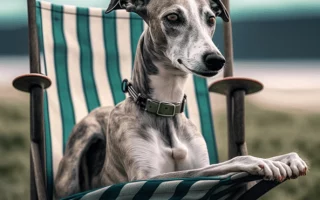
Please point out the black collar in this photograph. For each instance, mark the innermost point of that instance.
(164, 109)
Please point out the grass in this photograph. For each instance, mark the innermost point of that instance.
(268, 133)
(14, 150)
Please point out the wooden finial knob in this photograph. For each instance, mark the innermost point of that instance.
(230, 84)
(26, 81)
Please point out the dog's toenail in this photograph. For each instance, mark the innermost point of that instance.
(179, 61)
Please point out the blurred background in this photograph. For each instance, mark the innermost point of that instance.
(276, 42)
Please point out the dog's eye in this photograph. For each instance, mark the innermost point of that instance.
(212, 20)
(173, 17)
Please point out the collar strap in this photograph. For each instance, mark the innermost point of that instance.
(164, 109)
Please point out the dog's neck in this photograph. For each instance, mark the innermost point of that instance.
(154, 76)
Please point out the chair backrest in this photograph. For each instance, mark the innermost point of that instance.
(87, 53)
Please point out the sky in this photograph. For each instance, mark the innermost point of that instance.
(14, 13)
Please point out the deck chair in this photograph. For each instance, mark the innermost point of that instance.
(85, 56)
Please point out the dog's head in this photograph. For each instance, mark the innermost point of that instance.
(182, 30)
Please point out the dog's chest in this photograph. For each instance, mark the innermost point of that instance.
(175, 152)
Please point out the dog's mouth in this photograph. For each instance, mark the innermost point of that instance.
(204, 73)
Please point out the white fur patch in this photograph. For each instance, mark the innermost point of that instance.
(167, 86)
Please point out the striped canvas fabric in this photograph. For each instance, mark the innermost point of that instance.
(87, 54)
(217, 188)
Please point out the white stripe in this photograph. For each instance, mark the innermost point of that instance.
(122, 14)
(74, 68)
(45, 5)
(124, 46)
(145, 25)
(165, 190)
(94, 195)
(42, 65)
(192, 103)
(99, 59)
(199, 189)
(54, 106)
(130, 190)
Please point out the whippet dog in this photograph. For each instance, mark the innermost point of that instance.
(147, 136)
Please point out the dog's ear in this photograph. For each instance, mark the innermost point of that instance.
(114, 5)
(221, 10)
(137, 6)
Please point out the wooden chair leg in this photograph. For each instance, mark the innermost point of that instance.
(38, 171)
(35, 83)
(33, 188)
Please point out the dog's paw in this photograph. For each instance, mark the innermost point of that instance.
(296, 164)
(270, 170)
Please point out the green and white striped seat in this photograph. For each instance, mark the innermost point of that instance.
(86, 54)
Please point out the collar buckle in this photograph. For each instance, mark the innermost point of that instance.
(164, 109)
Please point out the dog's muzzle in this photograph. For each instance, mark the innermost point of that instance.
(214, 61)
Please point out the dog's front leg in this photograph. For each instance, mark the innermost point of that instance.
(271, 170)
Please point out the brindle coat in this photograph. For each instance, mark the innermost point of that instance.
(125, 143)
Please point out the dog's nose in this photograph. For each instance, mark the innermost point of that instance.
(214, 61)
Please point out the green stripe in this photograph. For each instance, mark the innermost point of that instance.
(182, 189)
(147, 190)
(112, 192)
(48, 145)
(231, 190)
(204, 106)
(112, 58)
(186, 111)
(211, 191)
(61, 68)
(229, 181)
(49, 167)
(86, 59)
(136, 28)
